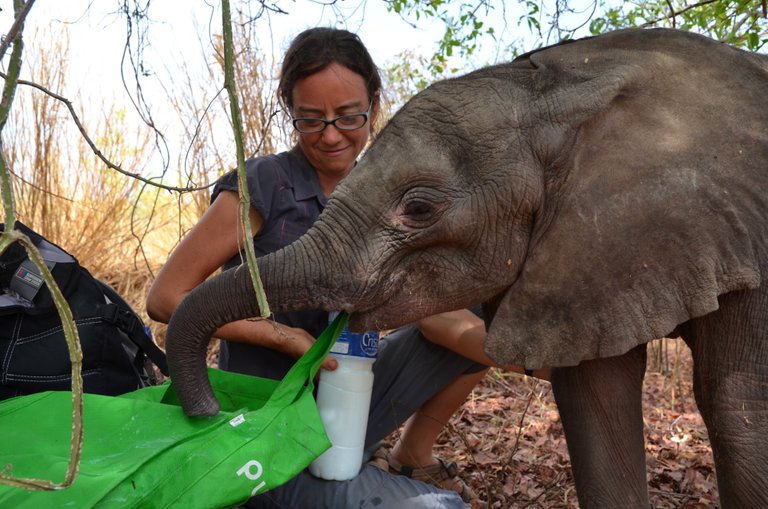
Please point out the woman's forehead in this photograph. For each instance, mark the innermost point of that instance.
(336, 86)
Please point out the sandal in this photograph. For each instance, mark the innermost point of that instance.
(444, 475)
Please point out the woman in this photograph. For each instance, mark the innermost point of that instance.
(331, 88)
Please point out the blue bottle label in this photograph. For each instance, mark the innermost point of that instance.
(358, 344)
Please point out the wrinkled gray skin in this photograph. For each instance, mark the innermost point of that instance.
(594, 195)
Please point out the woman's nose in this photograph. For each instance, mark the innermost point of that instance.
(331, 134)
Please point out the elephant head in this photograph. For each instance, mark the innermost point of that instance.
(593, 194)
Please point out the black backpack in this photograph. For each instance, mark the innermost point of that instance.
(117, 346)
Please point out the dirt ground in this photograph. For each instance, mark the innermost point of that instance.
(508, 440)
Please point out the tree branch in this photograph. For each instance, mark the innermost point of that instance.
(673, 16)
(680, 12)
(96, 150)
(9, 236)
(237, 127)
(16, 28)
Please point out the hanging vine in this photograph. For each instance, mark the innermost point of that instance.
(8, 237)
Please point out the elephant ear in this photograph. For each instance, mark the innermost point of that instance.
(656, 206)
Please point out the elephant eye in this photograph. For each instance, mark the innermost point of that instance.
(418, 210)
(420, 207)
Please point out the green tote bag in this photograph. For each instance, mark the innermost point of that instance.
(141, 451)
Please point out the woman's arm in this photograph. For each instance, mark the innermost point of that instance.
(464, 332)
(215, 239)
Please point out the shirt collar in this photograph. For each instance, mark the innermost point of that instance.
(306, 184)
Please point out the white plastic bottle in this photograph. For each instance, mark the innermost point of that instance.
(343, 399)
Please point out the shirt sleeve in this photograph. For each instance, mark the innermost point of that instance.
(263, 177)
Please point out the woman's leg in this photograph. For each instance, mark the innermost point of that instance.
(415, 447)
(408, 373)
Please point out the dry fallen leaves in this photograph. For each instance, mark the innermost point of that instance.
(509, 442)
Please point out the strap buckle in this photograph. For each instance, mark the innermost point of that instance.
(119, 317)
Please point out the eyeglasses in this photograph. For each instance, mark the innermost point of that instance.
(349, 122)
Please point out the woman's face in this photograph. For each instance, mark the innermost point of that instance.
(327, 94)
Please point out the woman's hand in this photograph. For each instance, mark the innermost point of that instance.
(295, 342)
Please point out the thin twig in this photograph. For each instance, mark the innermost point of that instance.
(678, 13)
(96, 150)
(76, 358)
(40, 189)
(16, 28)
(520, 429)
(673, 16)
(9, 236)
(471, 455)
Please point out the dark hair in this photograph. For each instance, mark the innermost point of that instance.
(315, 49)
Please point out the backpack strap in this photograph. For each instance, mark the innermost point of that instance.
(119, 313)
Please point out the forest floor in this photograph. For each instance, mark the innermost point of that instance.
(508, 440)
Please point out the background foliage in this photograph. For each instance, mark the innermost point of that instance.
(469, 24)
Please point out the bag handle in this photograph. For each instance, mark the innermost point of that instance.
(304, 370)
(119, 313)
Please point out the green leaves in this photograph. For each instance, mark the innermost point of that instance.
(741, 23)
(468, 23)
(463, 26)
(531, 17)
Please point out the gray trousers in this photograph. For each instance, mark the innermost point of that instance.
(408, 371)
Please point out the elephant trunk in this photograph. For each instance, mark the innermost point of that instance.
(224, 298)
(291, 283)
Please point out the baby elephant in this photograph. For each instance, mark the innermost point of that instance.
(594, 195)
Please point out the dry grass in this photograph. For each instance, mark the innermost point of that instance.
(118, 228)
(61, 189)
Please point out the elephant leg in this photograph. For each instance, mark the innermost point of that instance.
(600, 404)
(730, 354)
